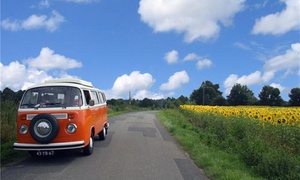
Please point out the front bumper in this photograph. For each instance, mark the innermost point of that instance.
(50, 146)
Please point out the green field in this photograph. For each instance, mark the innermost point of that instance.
(229, 148)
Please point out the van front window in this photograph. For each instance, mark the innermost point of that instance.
(52, 96)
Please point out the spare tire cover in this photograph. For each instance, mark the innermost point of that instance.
(44, 128)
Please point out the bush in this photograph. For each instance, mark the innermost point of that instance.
(8, 120)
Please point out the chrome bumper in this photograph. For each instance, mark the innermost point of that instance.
(50, 146)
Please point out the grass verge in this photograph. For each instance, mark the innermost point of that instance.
(8, 154)
(216, 163)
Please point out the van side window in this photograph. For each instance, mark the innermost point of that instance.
(100, 98)
(87, 96)
(76, 99)
(104, 98)
(95, 97)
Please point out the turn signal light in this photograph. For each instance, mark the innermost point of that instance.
(71, 116)
(23, 117)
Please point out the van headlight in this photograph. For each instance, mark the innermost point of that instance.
(23, 129)
(71, 128)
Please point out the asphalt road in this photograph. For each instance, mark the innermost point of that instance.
(137, 147)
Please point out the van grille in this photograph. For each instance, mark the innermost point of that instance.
(57, 116)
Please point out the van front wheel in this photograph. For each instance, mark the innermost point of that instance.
(88, 150)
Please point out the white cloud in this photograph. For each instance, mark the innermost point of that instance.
(281, 88)
(201, 62)
(288, 61)
(142, 94)
(176, 81)
(191, 57)
(171, 57)
(280, 22)
(44, 4)
(12, 75)
(48, 60)
(204, 63)
(51, 23)
(132, 82)
(35, 76)
(260, 4)
(251, 79)
(18, 76)
(241, 46)
(198, 20)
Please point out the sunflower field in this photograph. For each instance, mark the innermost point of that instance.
(273, 115)
(267, 139)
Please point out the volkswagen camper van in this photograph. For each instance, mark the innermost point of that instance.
(61, 114)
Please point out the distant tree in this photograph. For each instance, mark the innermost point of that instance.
(133, 102)
(159, 103)
(220, 101)
(145, 103)
(182, 100)
(241, 95)
(115, 102)
(270, 96)
(19, 95)
(10, 95)
(294, 97)
(206, 94)
(171, 103)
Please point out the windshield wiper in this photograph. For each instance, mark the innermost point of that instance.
(37, 106)
(29, 105)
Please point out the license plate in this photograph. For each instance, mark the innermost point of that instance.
(45, 153)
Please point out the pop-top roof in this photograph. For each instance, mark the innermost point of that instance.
(76, 81)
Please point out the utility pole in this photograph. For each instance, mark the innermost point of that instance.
(129, 98)
(203, 87)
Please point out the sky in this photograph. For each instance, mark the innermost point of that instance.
(152, 48)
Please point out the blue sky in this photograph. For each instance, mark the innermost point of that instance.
(153, 48)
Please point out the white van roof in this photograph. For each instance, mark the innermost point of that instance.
(76, 81)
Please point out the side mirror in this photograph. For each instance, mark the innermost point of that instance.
(91, 102)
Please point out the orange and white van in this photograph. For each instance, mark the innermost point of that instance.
(61, 114)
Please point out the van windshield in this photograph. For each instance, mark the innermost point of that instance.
(52, 96)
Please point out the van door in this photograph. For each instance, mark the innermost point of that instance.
(97, 110)
(90, 114)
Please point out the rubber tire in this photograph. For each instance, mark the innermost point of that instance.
(102, 134)
(53, 133)
(88, 150)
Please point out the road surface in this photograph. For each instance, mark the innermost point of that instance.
(137, 147)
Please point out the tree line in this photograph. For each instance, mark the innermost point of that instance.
(207, 94)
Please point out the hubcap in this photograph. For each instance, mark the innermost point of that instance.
(42, 128)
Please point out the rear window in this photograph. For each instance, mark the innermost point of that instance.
(51, 96)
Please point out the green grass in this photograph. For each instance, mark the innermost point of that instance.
(8, 154)
(229, 149)
(8, 132)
